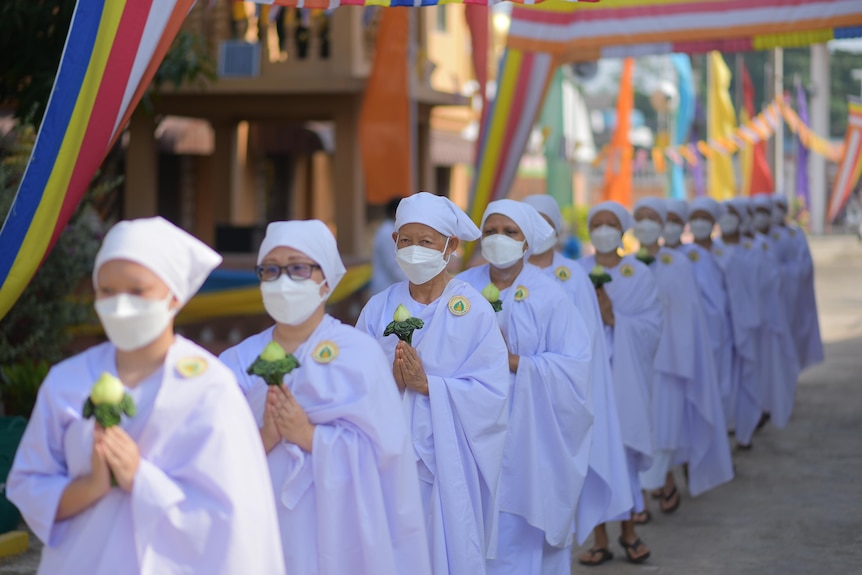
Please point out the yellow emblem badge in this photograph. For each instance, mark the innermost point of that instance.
(627, 270)
(718, 252)
(459, 305)
(521, 293)
(191, 366)
(776, 236)
(747, 245)
(694, 256)
(563, 273)
(325, 352)
(666, 259)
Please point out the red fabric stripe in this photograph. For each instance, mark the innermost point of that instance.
(106, 106)
(516, 111)
(649, 11)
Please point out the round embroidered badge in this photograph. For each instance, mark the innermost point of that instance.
(459, 305)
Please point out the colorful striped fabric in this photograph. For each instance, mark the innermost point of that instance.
(622, 28)
(330, 4)
(522, 80)
(850, 168)
(112, 51)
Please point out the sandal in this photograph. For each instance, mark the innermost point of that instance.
(603, 556)
(631, 547)
(655, 494)
(643, 517)
(668, 497)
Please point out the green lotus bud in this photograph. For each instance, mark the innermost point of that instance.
(643, 252)
(401, 313)
(491, 292)
(598, 270)
(273, 352)
(107, 390)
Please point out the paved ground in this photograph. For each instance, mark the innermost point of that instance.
(795, 506)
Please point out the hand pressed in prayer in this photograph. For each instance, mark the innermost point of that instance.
(290, 419)
(269, 433)
(514, 361)
(122, 455)
(408, 369)
(605, 306)
(100, 474)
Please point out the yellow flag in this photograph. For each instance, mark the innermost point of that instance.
(721, 123)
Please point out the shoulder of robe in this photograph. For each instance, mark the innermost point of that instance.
(193, 361)
(746, 245)
(694, 256)
(73, 373)
(563, 273)
(341, 340)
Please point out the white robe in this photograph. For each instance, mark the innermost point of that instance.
(352, 504)
(688, 418)
(713, 296)
(550, 422)
(743, 297)
(804, 322)
(201, 501)
(778, 365)
(458, 429)
(606, 494)
(632, 344)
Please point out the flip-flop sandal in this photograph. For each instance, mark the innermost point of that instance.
(632, 547)
(604, 556)
(764, 419)
(656, 494)
(643, 517)
(668, 497)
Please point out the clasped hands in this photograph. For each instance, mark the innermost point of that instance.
(284, 418)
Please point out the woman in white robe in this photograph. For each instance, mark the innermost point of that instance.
(606, 494)
(339, 455)
(550, 419)
(803, 317)
(191, 494)
(632, 316)
(743, 297)
(456, 406)
(702, 216)
(688, 418)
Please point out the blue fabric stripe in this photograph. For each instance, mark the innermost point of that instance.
(70, 76)
(849, 32)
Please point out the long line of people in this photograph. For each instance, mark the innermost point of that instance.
(476, 424)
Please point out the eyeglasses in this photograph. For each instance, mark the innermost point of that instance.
(271, 272)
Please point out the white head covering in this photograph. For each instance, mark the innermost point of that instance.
(678, 207)
(738, 205)
(762, 201)
(780, 199)
(438, 213)
(536, 230)
(547, 206)
(708, 205)
(655, 204)
(622, 214)
(180, 260)
(310, 237)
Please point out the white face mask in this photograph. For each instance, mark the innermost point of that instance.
(701, 228)
(761, 221)
(671, 233)
(132, 322)
(549, 244)
(777, 216)
(291, 302)
(502, 251)
(606, 239)
(647, 232)
(729, 224)
(421, 264)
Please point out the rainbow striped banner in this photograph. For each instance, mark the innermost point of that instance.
(850, 168)
(624, 28)
(330, 4)
(112, 52)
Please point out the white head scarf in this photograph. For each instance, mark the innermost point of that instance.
(780, 199)
(655, 204)
(310, 237)
(762, 201)
(180, 260)
(739, 206)
(708, 205)
(547, 206)
(438, 213)
(678, 207)
(534, 227)
(622, 214)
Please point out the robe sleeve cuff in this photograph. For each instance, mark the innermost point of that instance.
(153, 494)
(45, 526)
